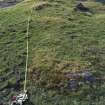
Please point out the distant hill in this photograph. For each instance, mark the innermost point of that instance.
(7, 3)
(102, 1)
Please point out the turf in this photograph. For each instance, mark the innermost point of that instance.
(58, 36)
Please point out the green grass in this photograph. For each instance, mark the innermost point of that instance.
(51, 47)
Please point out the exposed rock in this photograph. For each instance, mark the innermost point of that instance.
(73, 85)
(42, 6)
(89, 77)
(59, 1)
(82, 8)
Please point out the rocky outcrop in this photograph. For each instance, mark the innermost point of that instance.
(82, 8)
(43, 5)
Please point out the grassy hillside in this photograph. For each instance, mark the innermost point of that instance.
(60, 40)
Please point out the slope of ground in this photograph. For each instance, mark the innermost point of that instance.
(61, 39)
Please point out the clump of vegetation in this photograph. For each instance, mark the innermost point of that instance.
(64, 72)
